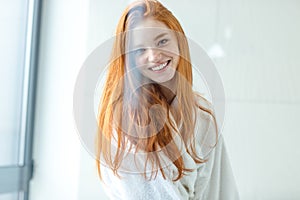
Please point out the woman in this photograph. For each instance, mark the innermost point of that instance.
(157, 138)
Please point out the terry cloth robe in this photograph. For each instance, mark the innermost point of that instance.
(212, 180)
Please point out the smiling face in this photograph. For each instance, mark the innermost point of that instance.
(154, 50)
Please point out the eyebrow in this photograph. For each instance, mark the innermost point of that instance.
(160, 35)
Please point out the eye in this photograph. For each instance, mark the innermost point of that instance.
(139, 52)
(162, 42)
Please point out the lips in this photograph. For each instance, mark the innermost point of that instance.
(160, 67)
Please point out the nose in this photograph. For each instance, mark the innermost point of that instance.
(153, 55)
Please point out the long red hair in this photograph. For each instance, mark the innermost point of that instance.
(116, 106)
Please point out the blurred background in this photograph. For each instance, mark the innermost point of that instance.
(255, 45)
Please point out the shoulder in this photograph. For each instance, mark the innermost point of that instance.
(204, 111)
(206, 134)
(203, 103)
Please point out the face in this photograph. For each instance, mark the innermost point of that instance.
(154, 50)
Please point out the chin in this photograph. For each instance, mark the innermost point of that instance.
(165, 80)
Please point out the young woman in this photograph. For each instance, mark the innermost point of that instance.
(157, 138)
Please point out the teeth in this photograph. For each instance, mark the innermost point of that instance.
(159, 67)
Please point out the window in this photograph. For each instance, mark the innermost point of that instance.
(19, 36)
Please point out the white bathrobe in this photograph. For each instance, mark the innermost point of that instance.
(212, 180)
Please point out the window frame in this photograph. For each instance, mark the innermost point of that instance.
(16, 178)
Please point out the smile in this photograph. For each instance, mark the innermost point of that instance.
(160, 67)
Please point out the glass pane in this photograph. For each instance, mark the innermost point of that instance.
(9, 196)
(12, 48)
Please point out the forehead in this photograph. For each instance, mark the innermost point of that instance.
(147, 31)
(150, 23)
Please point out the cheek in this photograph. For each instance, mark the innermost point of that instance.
(174, 55)
(172, 50)
(175, 60)
(139, 61)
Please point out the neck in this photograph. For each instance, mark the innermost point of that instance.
(169, 90)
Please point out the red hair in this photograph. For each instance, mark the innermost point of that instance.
(115, 105)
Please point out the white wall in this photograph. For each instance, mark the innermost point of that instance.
(263, 93)
(259, 71)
